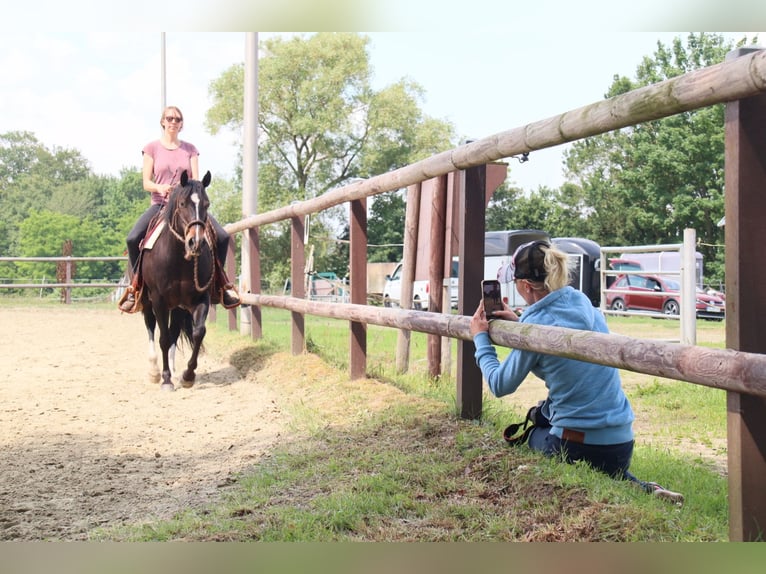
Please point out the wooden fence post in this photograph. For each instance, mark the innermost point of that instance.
(472, 210)
(436, 268)
(256, 320)
(411, 217)
(231, 272)
(68, 279)
(745, 180)
(358, 279)
(297, 287)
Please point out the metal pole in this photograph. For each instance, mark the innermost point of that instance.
(250, 322)
(163, 74)
(689, 288)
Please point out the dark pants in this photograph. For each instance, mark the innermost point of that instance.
(137, 234)
(613, 459)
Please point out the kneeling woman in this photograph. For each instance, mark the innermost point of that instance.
(590, 416)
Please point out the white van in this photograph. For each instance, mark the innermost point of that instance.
(392, 292)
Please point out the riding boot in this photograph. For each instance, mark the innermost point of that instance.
(226, 294)
(129, 301)
(229, 296)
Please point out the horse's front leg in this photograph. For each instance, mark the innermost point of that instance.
(199, 316)
(166, 341)
(150, 322)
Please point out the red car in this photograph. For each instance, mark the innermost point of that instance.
(660, 295)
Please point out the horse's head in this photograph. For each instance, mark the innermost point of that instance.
(187, 209)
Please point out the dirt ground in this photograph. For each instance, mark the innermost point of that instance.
(88, 441)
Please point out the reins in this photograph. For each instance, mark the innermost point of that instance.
(209, 234)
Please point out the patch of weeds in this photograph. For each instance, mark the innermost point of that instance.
(652, 389)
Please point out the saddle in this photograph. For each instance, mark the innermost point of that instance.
(156, 227)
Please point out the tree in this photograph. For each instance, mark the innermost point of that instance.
(30, 175)
(385, 229)
(321, 122)
(43, 233)
(645, 184)
(123, 200)
(559, 212)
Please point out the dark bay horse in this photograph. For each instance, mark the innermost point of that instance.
(178, 267)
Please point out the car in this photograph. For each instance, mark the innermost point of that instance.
(420, 288)
(392, 291)
(660, 295)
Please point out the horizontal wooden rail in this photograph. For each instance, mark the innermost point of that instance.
(718, 368)
(734, 79)
(59, 285)
(64, 285)
(62, 258)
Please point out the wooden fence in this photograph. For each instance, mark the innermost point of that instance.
(68, 283)
(740, 82)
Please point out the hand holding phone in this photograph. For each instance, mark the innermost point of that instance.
(493, 297)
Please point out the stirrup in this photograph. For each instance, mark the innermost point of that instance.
(130, 297)
(229, 297)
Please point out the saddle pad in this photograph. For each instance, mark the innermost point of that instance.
(149, 241)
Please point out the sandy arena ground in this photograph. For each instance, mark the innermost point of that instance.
(87, 441)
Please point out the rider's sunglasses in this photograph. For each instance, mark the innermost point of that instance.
(173, 119)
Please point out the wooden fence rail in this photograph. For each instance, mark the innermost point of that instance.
(66, 284)
(718, 368)
(739, 81)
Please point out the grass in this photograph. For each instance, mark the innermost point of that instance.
(388, 459)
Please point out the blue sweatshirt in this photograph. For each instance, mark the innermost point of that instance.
(583, 396)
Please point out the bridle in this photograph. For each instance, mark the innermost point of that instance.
(202, 232)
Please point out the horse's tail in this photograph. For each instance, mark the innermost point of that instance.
(185, 320)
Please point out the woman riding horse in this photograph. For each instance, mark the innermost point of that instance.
(178, 268)
(163, 162)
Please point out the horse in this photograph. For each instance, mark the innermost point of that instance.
(178, 267)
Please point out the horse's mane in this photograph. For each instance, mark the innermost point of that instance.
(179, 191)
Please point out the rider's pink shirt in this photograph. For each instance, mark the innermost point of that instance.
(169, 163)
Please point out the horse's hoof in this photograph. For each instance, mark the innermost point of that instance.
(187, 379)
(167, 387)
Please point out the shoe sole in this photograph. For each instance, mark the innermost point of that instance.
(669, 495)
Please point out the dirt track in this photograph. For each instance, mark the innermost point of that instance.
(88, 441)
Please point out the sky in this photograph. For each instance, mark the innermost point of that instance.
(100, 92)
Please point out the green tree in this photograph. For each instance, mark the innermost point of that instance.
(30, 176)
(645, 184)
(385, 227)
(321, 122)
(123, 200)
(560, 212)
(43, 233)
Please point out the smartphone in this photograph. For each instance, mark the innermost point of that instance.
(493, 297)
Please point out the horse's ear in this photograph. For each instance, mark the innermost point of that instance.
(206, 179)
(184, 178)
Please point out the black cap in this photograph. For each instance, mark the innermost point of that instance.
(529, 261)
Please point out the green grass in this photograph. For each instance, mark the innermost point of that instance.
(412, 470)
(415, 471)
